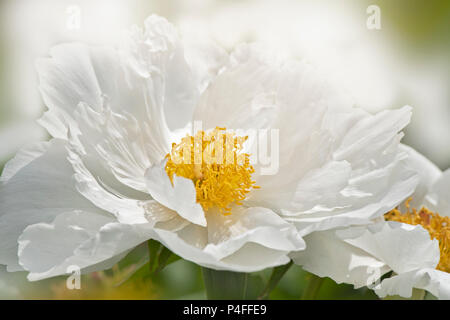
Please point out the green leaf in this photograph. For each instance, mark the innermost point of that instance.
(140, 271)
(160, 256)
(155, 261)
(154, 248)
(165, 258)
(277, 274)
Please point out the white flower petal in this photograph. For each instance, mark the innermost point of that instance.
(77, 73)
(227, 234)
(127, 210)
(148, 78)
(175, 224)
(205, 59)
(22, 158)
(243, 96)
(66, 78)
(326, 255)
(251, 258)
(180, 197)
(38, 192)
(163, 217)
(252, 240)
(155, 53)
(90, 243)
(439, 194)
(366, 198)
(118, 147)
(361, 255)
(43, 246)
(402, 247)
(194, 235)
(432, 280)
(428, 173)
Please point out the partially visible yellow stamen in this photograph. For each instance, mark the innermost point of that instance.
(214, 162)
(437, 226)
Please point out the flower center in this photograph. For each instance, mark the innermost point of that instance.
(437, 226)
(214, 161)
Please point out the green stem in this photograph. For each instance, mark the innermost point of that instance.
(225, 285)
(312, 288)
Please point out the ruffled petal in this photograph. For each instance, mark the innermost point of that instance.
(439, 194)
(242, 96)
(361, 255)
(353, 182)
(227, 234)
(38, 192)
(77, 73)
(327, 255)
(251, 257)
(156, 54)
(248, 240)
(432, 280)
(95, 183)
(43, 246)
(23, 158)
(66, 78)
(205, 58)
(83, 239)
(117, 147)
(428, 173)
(402, 247)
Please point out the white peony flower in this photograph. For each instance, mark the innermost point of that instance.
(109, 181)
(413, 242)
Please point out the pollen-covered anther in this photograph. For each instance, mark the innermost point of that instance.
(214, 161)
(437, 226)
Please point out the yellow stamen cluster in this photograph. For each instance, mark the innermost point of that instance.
(214, 161)
(436, 225)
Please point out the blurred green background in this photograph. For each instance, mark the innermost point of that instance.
(404, 62)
